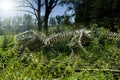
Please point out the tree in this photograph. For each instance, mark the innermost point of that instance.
(27, 21)
(0, 27)
(17, 22)
(52, 21)
(83, 11)
(36, 9)
(60, 19)
(105, 13)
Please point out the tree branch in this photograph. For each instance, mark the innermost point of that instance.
(53, 5)
(105, 70)
(27, 11)
(28, 5)
(32, 7)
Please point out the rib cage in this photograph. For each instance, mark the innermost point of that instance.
(58, 36)
(68, 35)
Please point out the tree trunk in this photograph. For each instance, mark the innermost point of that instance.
(49, 5)
(47, 12)
(39, 24)
(39, 15)
(46, 22)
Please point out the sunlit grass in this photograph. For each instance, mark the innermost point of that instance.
(52, 64)
(1, 40)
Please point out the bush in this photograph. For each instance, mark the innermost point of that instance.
(55, 63)
(7, 41)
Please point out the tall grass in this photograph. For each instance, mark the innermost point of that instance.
(54, 64)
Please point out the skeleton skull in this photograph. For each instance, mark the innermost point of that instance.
(27, 35)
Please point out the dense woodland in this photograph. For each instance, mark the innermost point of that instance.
(102, 62)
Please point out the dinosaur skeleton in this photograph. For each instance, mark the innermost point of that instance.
(30, 37)
(74, 34)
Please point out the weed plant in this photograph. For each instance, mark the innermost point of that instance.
(55, 63)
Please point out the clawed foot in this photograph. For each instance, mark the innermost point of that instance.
(72, 54)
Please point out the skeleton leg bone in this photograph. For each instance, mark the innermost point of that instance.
(72, 51)
(70, 46)
(71, 43)
(79, 41)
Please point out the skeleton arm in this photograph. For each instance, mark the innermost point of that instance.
(27, 43)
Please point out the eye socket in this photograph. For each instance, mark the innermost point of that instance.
(23, 36)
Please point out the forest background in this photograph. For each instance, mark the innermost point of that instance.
(103, 60)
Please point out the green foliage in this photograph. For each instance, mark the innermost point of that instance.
(7, 41)
(104, 13)
(35, 65)
(55, 63)
(17, 24)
